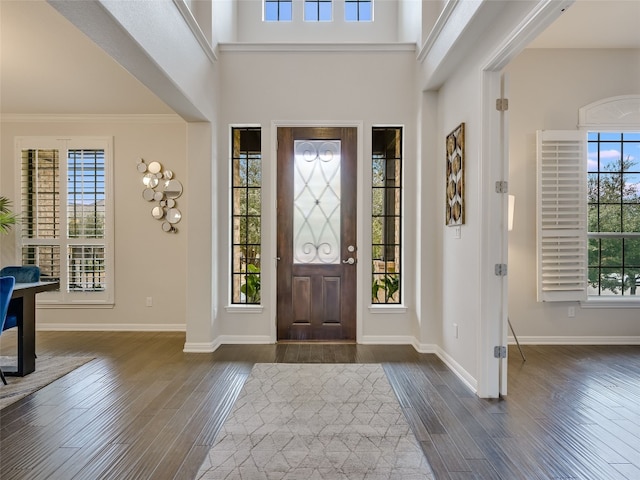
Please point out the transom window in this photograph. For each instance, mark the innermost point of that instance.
(613, 213)
(386, 219)
(278, 10)
(67, 216)
(317, 10)
(358, 10)
(246, 168)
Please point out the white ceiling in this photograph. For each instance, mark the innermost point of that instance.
(48, 66)
(594, 24)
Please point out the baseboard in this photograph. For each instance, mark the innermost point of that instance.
(576, 340)
(111, 327)
(466, 378)
(385, 340)
(204, 347)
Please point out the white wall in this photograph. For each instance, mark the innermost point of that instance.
(364, 88)
(148, 261)
(547, 87)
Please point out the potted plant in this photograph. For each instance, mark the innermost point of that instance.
(7, 217)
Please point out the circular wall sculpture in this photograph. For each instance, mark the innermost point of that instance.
(160, 187)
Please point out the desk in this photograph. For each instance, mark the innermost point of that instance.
(23, 300)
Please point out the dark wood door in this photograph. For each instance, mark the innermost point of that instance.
(317, 233)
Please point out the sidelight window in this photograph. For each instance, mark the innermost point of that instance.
(386, 215)
(246, 182)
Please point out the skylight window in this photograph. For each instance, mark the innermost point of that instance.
(358, 10)
(277, 10)
(317, 11)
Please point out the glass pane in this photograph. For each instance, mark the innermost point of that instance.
(40, 217)
(611, 251)
(631, 218)
(365, 11)
(610, 188)
(86, 268)
(594, 252)
(316, 203)
(47, 257)
(86, 193)
(611, 281)
(610, 218)
(631, 187)
(378, 171)
(377, 202)
(593, 218)
(351, 11)
(310, 11)
(632, 252)
(631, 281)
(325, 11)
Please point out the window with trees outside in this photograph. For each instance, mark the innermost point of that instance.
(386, 215)
(246, 181)
(613, 213)
(66, 215)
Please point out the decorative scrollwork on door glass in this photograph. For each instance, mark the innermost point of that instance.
(316, 202)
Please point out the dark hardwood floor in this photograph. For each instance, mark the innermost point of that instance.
(143, 409)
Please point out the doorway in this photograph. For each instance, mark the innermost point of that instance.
(316, 233)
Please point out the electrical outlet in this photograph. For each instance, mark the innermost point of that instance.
(572, 312)
(457, 232)
(149, 301)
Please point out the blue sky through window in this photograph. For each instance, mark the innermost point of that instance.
(358, 10)
(277, 10)
(317, 11)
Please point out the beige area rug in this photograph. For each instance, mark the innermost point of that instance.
(48, 369)
(316, 422)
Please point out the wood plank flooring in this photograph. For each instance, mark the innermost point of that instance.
(143, 409)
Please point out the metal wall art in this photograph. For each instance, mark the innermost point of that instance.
(162, 188)
(454, 209)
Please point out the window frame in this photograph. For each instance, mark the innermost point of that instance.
(611, 235)
(376, 275)
(278, 3)
(232, 215)
(357, 6)
(65, 298)
(620, 114)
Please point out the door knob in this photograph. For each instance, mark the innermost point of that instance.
(349, 261)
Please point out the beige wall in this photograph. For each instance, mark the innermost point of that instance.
(547, 87)
(148, 261)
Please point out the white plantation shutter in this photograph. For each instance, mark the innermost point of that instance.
(562, 215)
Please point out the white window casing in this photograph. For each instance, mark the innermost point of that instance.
(76, 254)
(561, 215)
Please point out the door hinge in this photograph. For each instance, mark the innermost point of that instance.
(500, 352)
(500, 269)
(502, 104)
(502, 186)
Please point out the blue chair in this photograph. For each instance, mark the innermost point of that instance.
(6, 289)
(22, 274)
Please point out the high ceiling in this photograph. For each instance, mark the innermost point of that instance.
(48, 66)
(594, 24)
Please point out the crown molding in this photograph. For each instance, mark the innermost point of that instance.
(90, 118)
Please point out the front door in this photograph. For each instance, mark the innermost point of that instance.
(316, 281)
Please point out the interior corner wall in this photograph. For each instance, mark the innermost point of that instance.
(460, 101)
(148, 261)
(547, 87)
(429, 272)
